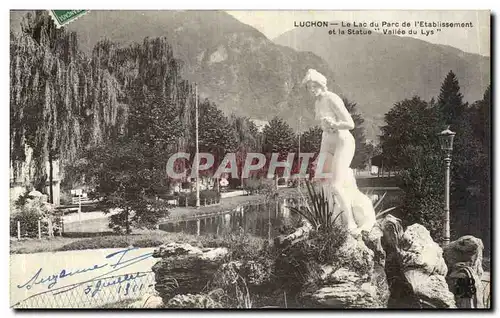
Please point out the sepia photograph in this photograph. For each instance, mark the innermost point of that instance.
(211, 159)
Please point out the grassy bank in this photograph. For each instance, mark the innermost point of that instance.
(143, 238)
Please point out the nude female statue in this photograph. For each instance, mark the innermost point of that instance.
(336, 154)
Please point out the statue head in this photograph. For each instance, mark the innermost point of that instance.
(315, 82)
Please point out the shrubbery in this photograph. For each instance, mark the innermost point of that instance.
(65, 198)
(211, 196)
(29, 223)
(28, 211)
(300, 264)
(242, 246)
(256, 185)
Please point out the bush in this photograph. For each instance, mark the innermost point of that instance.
(28, 211)
(168, 197)
(300, 264)
(65, 198)
(256, 185)
(242, 246)
(29, 223)
(208, 195)
(426, 210)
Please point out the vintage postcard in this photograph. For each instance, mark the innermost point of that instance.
(250, 159)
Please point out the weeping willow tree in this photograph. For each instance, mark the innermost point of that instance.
(159, 74)
(59, 101)
(130, 173)
(37, 105)
(63, 102)
(149, 72)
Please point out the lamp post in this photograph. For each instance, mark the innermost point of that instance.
(197, 159)
(446, 141)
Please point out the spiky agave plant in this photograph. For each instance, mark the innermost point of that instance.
(318, 211)
(380, 214)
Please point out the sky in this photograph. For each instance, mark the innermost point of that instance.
(472, 40)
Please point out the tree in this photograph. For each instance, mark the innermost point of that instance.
(310, 141)
(59, 100)
(466, 164)
(246, 133)
(125, 176)
(450, 100)
(409, 143)
(278, 137)
(477, 190)
(482, 119)
(422, 183)
(363, 151)
(215, 133)
(411, 122)
(247, 139)
(129, 173)
(154, 122)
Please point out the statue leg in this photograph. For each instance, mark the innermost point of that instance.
(340, 183)
(326, 167)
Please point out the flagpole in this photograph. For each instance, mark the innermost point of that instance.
(197, 163)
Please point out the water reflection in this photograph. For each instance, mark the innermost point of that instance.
(263, 220)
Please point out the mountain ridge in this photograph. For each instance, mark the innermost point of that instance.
(379, 70)
(234, 64)
(244, 72)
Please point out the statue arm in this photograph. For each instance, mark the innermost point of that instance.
(344, 118)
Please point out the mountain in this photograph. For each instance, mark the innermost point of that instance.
(235, 65)
(379, 70)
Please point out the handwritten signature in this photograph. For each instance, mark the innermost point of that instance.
(116, 261)
(131, 285)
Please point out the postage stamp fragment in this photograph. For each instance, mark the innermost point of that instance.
(63, 17)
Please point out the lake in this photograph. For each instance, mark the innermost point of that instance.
(263, 220)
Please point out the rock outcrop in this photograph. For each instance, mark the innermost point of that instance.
(464, 258)
(359, 282)
(415, 266)
(192, 301)
(185, 269)
(388, 267)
